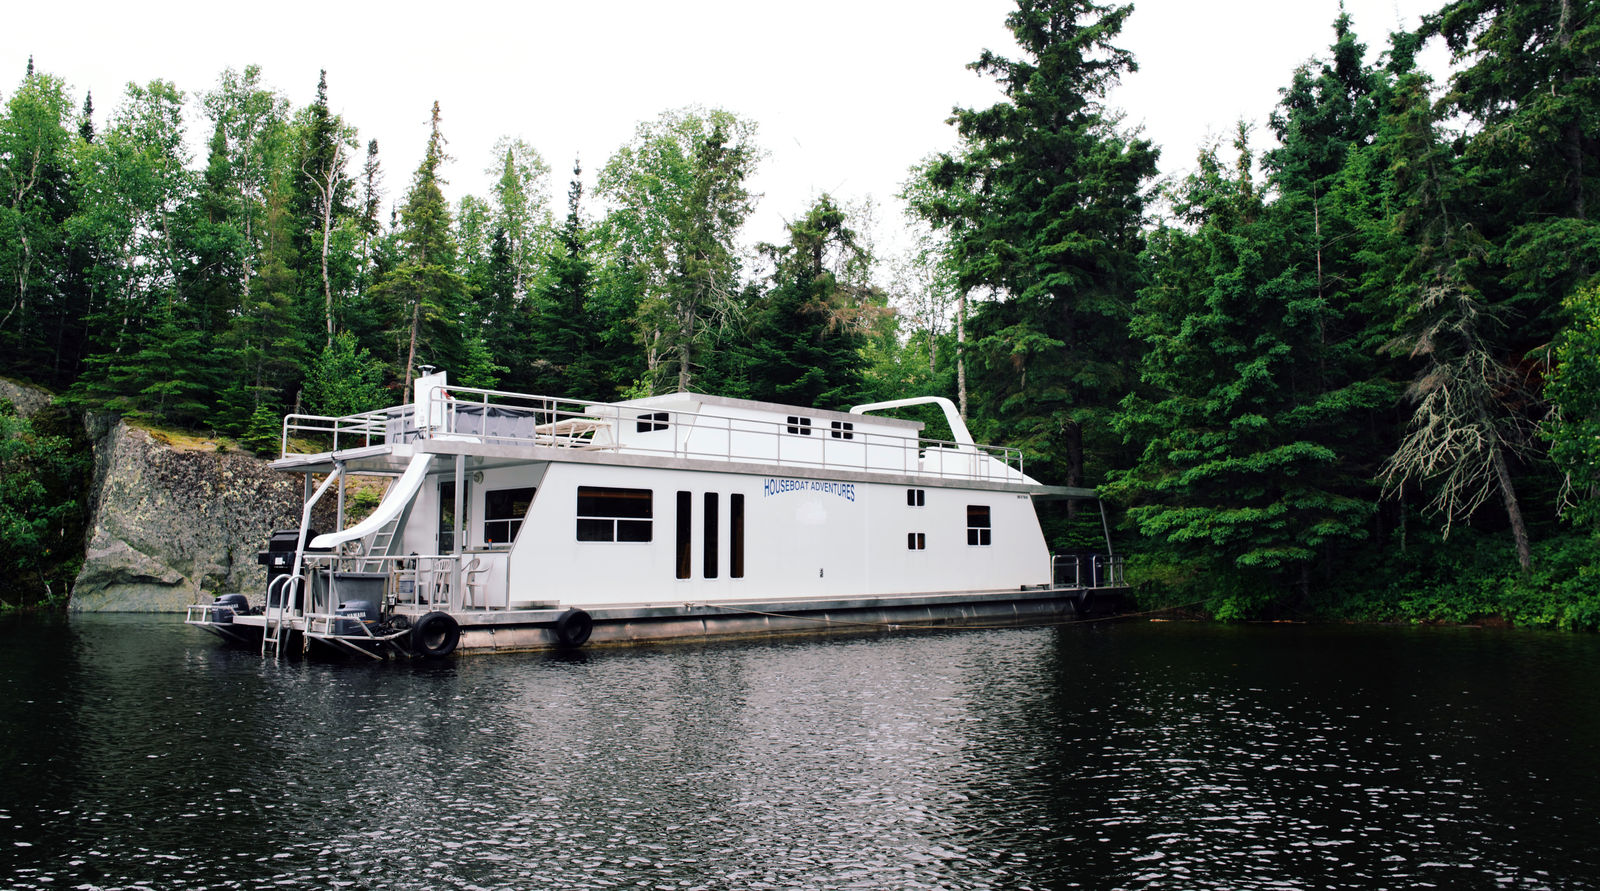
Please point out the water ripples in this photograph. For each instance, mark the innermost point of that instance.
(1143, 757)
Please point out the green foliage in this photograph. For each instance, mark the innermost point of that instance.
(36, 202)
(41, 486)
(1573, 428)
(1243, 461)
(425, 294)
(1044, 206)
(263, 433)
(805, 343)
(681, 198)
(345, 380)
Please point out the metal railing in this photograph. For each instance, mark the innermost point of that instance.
(505, 418)
(1086, 571)
(421, 581)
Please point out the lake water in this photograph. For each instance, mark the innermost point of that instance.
(136, 752)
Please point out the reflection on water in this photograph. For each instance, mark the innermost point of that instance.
(136, 751)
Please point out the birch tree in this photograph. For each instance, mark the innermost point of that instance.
(680, 200)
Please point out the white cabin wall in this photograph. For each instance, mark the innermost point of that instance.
(802, 538)
(1017, 554)
(497, 560)
(549, 563)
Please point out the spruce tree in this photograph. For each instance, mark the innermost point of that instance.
(809, 335)
(1047, 204)
(424, 293)
(1241, 472)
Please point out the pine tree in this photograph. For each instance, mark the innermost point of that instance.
(1242, 471)
(1527, 77)
(86, 118)
(323, 190)
(1470, 421)
(569, 355)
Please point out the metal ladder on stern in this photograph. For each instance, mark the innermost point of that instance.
(281, 594)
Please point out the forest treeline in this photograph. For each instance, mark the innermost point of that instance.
(1356, 376)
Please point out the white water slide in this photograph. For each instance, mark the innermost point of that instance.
(400, 494)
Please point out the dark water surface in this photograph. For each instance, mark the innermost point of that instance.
(136, 752)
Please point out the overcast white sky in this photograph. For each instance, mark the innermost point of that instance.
(848, 94)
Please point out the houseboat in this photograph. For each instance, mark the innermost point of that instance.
(516, 522)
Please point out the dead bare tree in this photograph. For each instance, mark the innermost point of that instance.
(1469, 419)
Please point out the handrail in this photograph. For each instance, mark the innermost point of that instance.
(1104, 571)
(508, 418)
(429, 575)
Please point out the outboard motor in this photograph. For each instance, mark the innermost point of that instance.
(278, 558)
(224, 608)
(353, 614)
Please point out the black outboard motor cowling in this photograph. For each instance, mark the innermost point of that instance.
(353, 614)
(278, 558)
(225, 607)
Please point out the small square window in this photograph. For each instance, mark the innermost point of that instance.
(916, 497)
(917, 541)
(799, 426)
(843, 430)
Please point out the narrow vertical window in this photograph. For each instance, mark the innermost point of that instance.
(917, 541)
(978, 525)
(447, 516)
(711, 535)
(916, 497)
(736, 536)
(685, 529)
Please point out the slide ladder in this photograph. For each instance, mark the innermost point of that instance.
(382, 545)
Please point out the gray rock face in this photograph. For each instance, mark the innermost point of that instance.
(28, 400)
(174, 526)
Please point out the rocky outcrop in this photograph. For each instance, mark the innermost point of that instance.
(28, 400)
(173, 524)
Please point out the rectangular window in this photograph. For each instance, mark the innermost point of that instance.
(917, 541)
(653, 421)
(685, 529)
(916, 497)
(736, 536)
(978, 525)
(711, 535)
(844, 430)
(799, 425)
(607, 514)
(503, 510)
